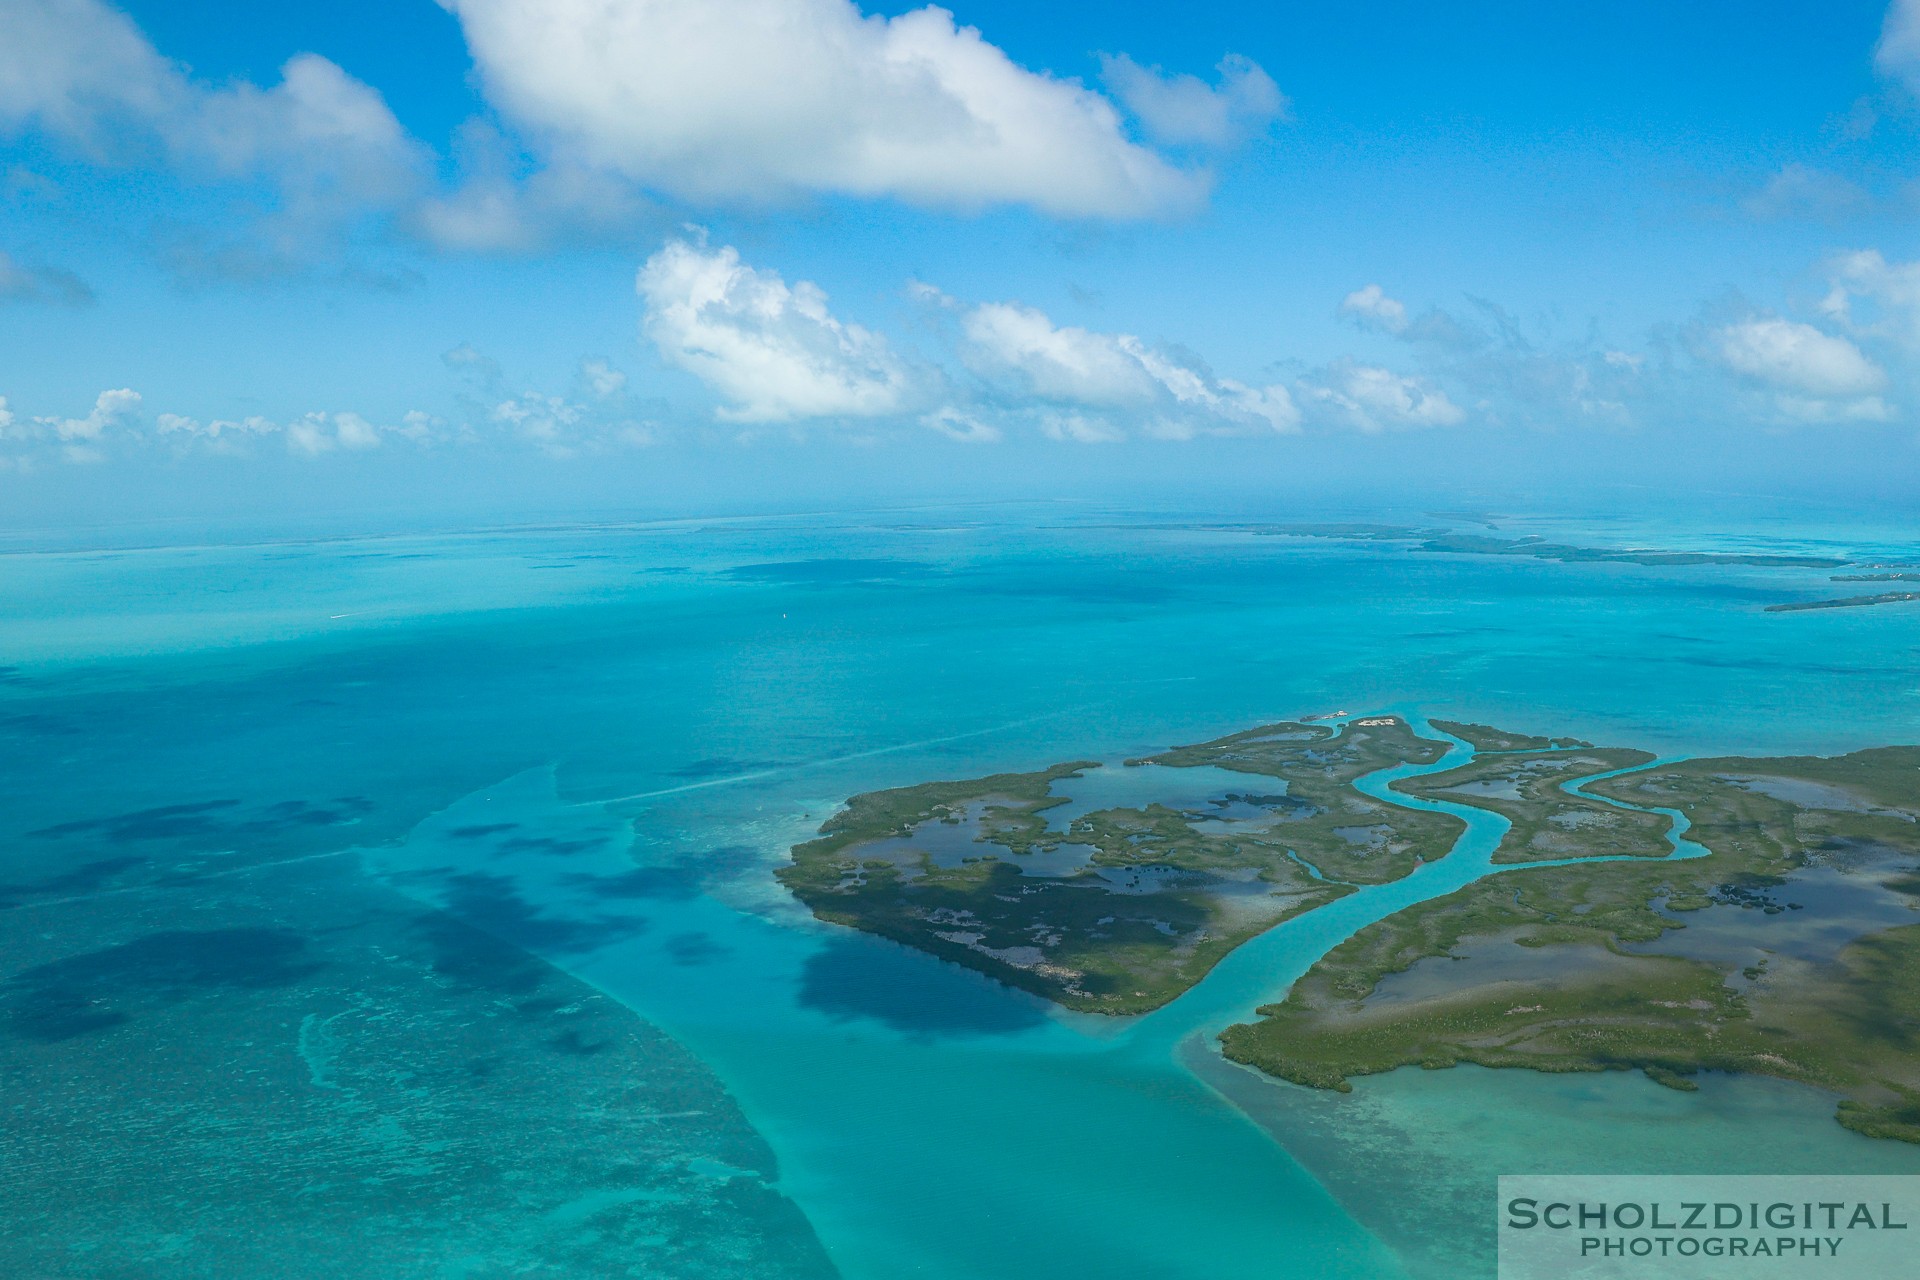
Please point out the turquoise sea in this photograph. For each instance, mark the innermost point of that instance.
(418, 886)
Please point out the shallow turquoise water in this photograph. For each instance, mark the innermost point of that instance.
(596, 742)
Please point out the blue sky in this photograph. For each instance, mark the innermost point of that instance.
(658, 251)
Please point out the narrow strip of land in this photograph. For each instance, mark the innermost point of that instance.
(1845, 602)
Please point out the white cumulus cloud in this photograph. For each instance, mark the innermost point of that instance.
(720, 99)
(1369, 398)
(1813, 376)
(1062, 362)
(546, 420)
(1373, 309)
(82, 70)
(317, 433)
(1186, 109)
(1508, 368)
(1798, 357)
(323, 143)
(309, 435)
(774, 352)
(110, 409)
(82, 439)
(1898, 54)
(1084, 373)
(602, 377)
(595, 414)
(1892, 290)
(174, 424)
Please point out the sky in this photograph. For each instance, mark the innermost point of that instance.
(477, 256)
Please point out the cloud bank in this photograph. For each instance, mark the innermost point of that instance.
(715, 100)
(601, 116)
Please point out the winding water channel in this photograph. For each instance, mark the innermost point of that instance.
(1263, 969)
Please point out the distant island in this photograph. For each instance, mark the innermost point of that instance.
(1790, 949)
(1533, 547)
(1538, 548)
(1846, 602)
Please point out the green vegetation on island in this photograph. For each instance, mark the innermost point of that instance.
(1345, 834)
(1122, 908)
(1540, 549)
(1483, 737)
(1537, 548)
(1845, 602)
(1789, 950)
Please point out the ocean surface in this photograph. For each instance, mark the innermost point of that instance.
(420, 886)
